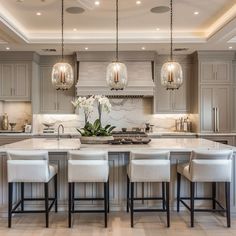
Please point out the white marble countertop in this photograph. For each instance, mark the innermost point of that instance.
(63, 145)
(153, 134)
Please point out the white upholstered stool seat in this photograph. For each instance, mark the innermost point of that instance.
(149, 166)
(89, 166)
(25, 166)
(206, 166)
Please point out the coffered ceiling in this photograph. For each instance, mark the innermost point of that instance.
(198, 24)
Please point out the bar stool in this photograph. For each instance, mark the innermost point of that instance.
(30, 167)
(149, 166)
(88, 167)
(206, 166)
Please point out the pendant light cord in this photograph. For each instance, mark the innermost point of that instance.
(171, 30)
(117, 30)
(62, 30)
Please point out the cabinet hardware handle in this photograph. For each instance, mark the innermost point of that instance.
(214, 114)
(217, 120)
(58, 106)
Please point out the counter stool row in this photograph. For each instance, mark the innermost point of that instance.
(92, 167)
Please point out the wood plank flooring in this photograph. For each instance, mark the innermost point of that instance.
(119, 225)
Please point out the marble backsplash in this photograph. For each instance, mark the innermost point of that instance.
(129, 113)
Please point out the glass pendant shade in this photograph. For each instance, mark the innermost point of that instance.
(62, 76)
(116, 76)
(171, 75)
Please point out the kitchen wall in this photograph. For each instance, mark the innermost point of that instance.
(18, 112)
(132, 112)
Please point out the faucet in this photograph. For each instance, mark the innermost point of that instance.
(58, 131)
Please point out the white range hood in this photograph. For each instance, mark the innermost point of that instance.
(92, 79)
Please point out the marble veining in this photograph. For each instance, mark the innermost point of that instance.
(172, 144)
(132, 112)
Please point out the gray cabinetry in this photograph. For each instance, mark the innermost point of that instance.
(51, 100)
(15, 81)
(215, 109)
(177, 101)
(215, 72)
(212, 91)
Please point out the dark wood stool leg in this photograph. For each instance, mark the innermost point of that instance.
(163, 196)
(192, 194)
(22, 196)
(108, 196)
(127, 196)
(10, 192)
(132, 205)
(214, 195)
(55, 194)
(46, 203)
(168, 203)
(69, 205)
(105, 204)
(178, 190)
(227, 196)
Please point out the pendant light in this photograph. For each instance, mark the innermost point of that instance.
(171, 71)
(116, 71)
(62, 72)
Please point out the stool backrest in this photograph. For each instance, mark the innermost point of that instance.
(88, 155)
(211, 165)
(151, 154)
(27, 166)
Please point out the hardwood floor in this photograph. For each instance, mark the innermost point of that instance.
(119, 225)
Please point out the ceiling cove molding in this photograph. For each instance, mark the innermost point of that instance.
(221, 21)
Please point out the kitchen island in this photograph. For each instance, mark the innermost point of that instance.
(118, 159)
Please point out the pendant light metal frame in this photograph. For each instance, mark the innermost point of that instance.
(171, 71)
(62, 73)
(116, 71)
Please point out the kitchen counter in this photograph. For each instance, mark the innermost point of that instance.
(174, 145)
(118, 159)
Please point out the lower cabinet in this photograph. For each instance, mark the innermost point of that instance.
(228, 140)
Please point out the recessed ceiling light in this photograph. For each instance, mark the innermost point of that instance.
(86, 48)
(196, 13)
(138, 2)
(74, 29)
(38, 13)
(7, 48)
(230, 47)
(97, 3)
(143, 48)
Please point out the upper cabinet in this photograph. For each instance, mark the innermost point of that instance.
(17, 71)
(15, 79)
(215, 72)
(51, 100)
(176, 101)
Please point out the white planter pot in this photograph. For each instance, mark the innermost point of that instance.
(96, 139)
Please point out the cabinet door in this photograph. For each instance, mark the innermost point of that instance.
(206, 112)
(48, 95)
(7, 74)
(222, 72)
(207, 72)
(181, 96)
(162, 96)
(21, 82)
(221, 101)
(64, 99)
